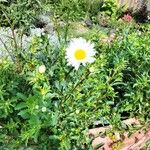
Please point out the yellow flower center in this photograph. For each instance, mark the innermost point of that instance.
(80, 54)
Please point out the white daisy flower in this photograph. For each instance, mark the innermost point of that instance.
(79, 52)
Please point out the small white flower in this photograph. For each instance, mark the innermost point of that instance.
(79, 52)
(147, 104)
(42, 69)
(77, 111)
(91, 69)
(44, 109)
(37, 107)
(139, 32)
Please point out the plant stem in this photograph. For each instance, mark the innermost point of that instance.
(82, 79)
(68, 72)
(12, 30)
(14, 38)
(9, 53)
(67, 27)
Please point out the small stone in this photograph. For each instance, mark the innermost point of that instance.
(88, 22)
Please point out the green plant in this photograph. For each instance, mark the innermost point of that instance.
(57, 106)
(54, 108)
(18, 13)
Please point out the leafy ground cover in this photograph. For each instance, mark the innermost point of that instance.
(45, 103)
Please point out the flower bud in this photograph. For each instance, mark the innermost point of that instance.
(44, 109)
(42, 69)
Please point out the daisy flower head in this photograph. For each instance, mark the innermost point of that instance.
(80, 52)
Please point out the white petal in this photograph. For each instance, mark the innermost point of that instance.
(80, 43)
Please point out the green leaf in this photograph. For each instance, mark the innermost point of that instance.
(54, 120)
(20, 106)
(21, 96)
(24, 114)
